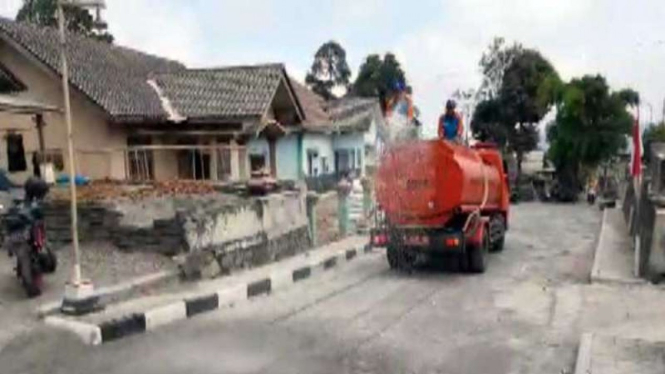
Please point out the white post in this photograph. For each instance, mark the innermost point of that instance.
(79, 298)
(214, 160)
(75, 279)
(235, 161)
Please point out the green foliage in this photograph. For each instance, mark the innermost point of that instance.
(525, 81)
(518, 89)
(487, 123)
(493, 65)
(329, 70)
(377, 77)
(78, 20)
(591, 125)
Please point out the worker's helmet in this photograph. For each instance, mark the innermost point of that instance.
(451, 105)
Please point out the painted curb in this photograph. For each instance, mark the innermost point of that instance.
(88, 333)
(583, 363)
(131, 324)
(117, 292)
(596, 277)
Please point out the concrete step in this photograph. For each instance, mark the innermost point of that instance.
(600, 354)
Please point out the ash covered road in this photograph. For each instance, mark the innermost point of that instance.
(522, 316)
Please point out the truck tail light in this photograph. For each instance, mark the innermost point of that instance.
(452, 242)
(380, 240)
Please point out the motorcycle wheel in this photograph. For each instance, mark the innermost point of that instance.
(29, 278)
(48, 260)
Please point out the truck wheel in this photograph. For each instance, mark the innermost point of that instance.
(477, 255)
(393, 256)
(498, 245)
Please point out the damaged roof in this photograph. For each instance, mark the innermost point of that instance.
(112, 76)
(133, 86)
(313, 106)
(345, 114)
(226, 93)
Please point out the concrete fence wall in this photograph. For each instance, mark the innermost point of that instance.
(645, 217)
(216, 234)
(327, 218)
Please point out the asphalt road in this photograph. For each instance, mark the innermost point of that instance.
(522, 316)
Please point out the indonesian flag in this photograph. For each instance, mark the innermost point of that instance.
(636, 169)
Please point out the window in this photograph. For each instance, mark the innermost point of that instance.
(352, 164)
(223, 163)
(55, 157)
(312, 155)
(257, 162)
(342, 159)
(141, 161)
(325, 169)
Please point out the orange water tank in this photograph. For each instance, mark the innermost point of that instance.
(427, 183)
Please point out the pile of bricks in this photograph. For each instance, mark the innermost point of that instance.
(110, 190)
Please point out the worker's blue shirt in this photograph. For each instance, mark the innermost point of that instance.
(450, 125)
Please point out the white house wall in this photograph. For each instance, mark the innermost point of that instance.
(370, 135)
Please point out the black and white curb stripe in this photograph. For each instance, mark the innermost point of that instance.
(95, 334)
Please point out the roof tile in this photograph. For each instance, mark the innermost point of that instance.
(112, 76)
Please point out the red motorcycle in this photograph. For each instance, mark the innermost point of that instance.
(26, 238)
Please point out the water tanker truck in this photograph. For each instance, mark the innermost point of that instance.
(437, 198)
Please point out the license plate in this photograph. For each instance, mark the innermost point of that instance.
(417, 241)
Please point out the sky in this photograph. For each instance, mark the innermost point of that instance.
(438, 42)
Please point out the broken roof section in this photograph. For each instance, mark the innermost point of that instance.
(226, 94)
(132, 86)
(135, 87)
(112, 76)
(339, 115)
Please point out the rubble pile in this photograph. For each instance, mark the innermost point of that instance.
(111, 190)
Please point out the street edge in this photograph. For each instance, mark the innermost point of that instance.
(116, 292)
(136, 323)
(595, 269)
(583, 363)
(596, 277)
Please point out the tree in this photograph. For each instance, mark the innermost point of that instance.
(329, 70)
(493, 65)
(487, 123)
(378, 77)
(78, 20)
(590, 127)
(524, 101)
(518, 89)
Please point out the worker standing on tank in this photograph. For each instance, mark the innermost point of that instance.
(450, 124)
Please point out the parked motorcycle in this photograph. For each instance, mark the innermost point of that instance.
(25, 238)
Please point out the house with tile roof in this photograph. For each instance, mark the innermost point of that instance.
(139, 116)
(340, 136)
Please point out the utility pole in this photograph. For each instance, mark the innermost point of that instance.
(79, 295)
